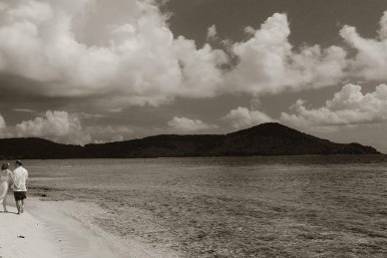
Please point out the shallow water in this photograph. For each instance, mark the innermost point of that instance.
(324, 206)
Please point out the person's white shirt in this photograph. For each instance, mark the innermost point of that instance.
(19, 178)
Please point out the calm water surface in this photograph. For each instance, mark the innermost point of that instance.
(309, 206)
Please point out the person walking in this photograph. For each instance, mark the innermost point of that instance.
(19, 178)
(5, 179)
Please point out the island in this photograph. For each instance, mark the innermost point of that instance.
(261, 140)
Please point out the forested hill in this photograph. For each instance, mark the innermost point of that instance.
(264, 139)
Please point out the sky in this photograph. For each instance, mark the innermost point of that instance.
(81, 71)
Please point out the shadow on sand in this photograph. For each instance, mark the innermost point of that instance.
(10, 212)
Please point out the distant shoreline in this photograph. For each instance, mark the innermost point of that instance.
(172, 157)
(270, 139)
(380, 155)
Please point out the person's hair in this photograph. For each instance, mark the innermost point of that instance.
(5, 166)
(19, 163)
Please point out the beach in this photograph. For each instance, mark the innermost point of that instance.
(25, 236)
(193, 129)
(306, 206)
(49, 229)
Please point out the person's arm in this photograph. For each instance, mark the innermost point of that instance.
(27, 179)
(10, 175)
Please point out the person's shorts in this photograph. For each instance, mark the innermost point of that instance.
(20, 195)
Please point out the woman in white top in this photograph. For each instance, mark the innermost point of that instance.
(5, 179)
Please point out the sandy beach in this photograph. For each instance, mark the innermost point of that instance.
(202, 207)
(63, 229)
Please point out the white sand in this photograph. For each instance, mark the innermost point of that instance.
(36, 241)
(64, 229)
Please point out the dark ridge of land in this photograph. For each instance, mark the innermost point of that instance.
(264, 139)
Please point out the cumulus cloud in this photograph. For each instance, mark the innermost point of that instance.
(200, 69)
(2, 123)
(349, 106)
(370, 60)
(142, 63)
(64, 127)
(55, 125)
(187, 125)
(268, 63)
(242, 117)
(212, 32)
(4, 129)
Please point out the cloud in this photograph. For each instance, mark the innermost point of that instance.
(268, 63)
(109, 133)
(3, 6)
(200, 69)
(242, 117)
(64, 127)
(4, 129)
(212, 32)
(59, 126)
(370, 60)
(349, 107)
(85, 115)
(187, 125)
(2, 123)
(142, 63)
(24, 110)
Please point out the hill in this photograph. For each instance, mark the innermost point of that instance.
(264, 139)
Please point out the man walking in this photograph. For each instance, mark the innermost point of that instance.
(19, 178)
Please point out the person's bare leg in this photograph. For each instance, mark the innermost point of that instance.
(18, 207)
(5, 204)
(22, 206)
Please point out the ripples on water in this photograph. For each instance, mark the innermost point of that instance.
(326, 206)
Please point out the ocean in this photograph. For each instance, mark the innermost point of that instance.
(285, 206)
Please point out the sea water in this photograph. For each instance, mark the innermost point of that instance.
(301, 206)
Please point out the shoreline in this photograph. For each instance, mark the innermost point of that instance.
(232, 208)
(51, 229)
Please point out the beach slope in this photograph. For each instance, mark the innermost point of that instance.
(25, 236)
(62, 229)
